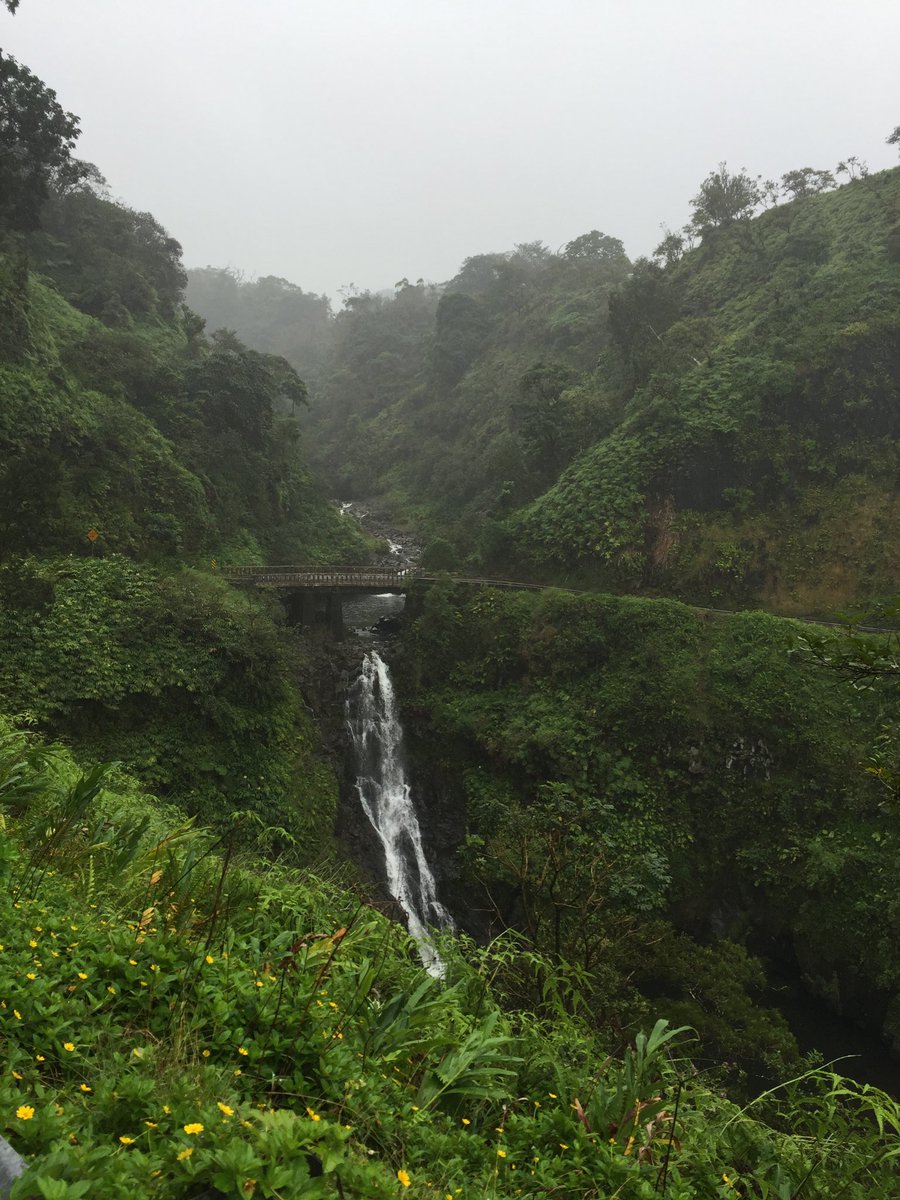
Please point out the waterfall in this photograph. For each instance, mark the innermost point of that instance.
(384, 794)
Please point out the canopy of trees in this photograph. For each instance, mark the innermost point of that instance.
(36, 141)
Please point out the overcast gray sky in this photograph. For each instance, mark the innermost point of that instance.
(338, 141)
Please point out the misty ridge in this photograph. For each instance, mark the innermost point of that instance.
(511, 400)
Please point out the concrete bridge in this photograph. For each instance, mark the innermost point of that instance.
(345, 579)
(313, 594)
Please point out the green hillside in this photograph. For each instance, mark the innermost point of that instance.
(172, 447)
(631, 768)
(718, 425)
(448, 398)
(176, 452)
(756, 455)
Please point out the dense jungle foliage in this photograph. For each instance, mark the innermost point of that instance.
(180, 1020)
(123, 423)
(188, 1009)
(624, 762)
(718, 424)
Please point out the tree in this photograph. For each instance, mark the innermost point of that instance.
(36, 141)
(533, 254)
(724, 198)
(670, 249)
(893, 139)
(805, 181)
(769, 193)
(108, 260)
(595, 247)
(12, 5)
(852, 167)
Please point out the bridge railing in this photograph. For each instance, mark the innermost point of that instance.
(318, 576)
(365, 577)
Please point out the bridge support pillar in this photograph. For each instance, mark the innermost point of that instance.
(334, 615)
(308, 608)
(311, 606)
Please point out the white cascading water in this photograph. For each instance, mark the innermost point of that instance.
(385, 798)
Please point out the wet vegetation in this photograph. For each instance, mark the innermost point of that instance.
(199, 997)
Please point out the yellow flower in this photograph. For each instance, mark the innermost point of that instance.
(259, 983)
(70, 1046)
(313, 1116)
(39, 1058)
(33, 944)
(563, 1145)
(193, 1127)
(166, 1109)
(501, 1153)
(126, 1141)
(205, 1053)
(17, 1014)
(229, 1112)
(82, 975)
(85, 1088)
(16, 1075)
(186, 1153)
(238, 1071)
(404, 1178)
(24, 1112)
(552, 1095)
(728, 1182)
(111, 989)
(466, 1121)
(136, 1052)
(132, 962)
(31, 975)
(241, 1050)
(151, 1124)
(210, 959)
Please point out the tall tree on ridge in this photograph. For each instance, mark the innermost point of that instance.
(36, 141)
